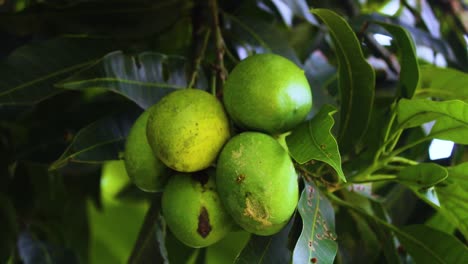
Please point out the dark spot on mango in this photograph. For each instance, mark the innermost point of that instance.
(204, 227)
(240, 178)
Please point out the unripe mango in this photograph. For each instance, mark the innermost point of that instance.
(143, 167)
(257, 182)
(187, 129)
(193, 210)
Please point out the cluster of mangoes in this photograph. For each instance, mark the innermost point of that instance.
(211, 180)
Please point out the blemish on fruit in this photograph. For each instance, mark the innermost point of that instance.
(240, 178)
(204, 227)
(256, 210)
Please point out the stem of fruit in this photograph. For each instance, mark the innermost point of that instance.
(219, 43)
(199, 58)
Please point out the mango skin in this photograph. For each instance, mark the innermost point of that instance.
(257, 183)
(268, 93)
(193, 210)
(145, 170)
(187, 129)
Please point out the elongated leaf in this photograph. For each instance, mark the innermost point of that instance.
(356, 80)
(385, 236)
(28, 74)
(313, 141)
(443, 83)
(8, 228)
(143, 78)
(453, 196)
(102, 140)
(317, 242)
(427, 245)
(289, 8)
(450, 129)
(32, 250)
(416, 112)
(267, 249)
(252, 35)
(423, 175)
(409, 67)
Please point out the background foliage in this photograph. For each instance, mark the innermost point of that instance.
(387, 77)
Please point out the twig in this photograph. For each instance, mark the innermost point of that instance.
(198, 59)
(219, 44)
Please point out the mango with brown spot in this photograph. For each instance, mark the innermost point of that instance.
(257, 183)
(193, 211)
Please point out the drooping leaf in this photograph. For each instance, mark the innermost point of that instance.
(416, 112)
(443, 83)
(313, 141)
(143, 78)
(100, 141)
(423, 175)
(449, 129)
(317, 242)
(150, 244)
(32, 251)
(409, 68)
(356, 80)
(257, 36)
(427, 245)
(453, 196)
(28, 74)
(8, 228)
(289, 8)
(267, 249)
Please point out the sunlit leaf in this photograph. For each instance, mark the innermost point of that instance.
(416, 112)
(313, 141)
(443, 83)
(267, 249)
(317, 242)
(453, 196)
(427, 245)
(356, 80)
(409, 70)
(439, 221)
(143, 78)
(100, 141)
(28, 74)
(423, 175)
(449, 129)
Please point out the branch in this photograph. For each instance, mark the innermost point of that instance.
(219, 44)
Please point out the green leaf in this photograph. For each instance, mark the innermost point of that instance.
(453, 197)
(450, 129)
(439, 221)
(313, 140)
(423, 175)
(143, 78)
(356, 81)
(416, 112)
(8, 228)
(28, 74)
(317, 242)
(100, 141)
(267, 249)
(409, 70)
(443, 83)
(150, 244)
(254, 35)
(427, 245)
(288, 8)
